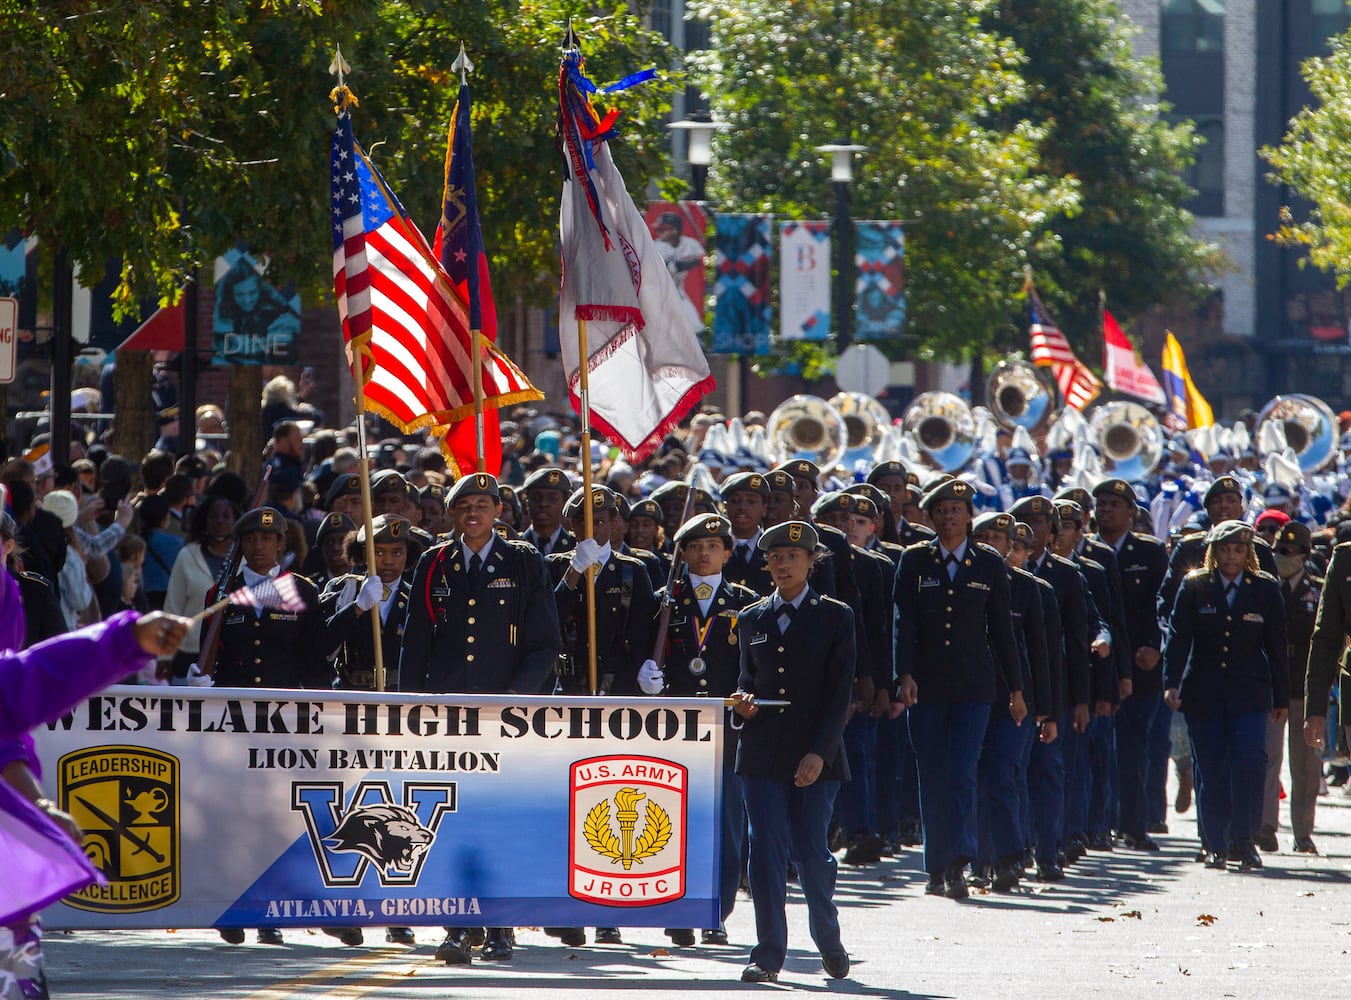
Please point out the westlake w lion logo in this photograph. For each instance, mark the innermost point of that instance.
(372, 829)
(125, 799)
(633, 854)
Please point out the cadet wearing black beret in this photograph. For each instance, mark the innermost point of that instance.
(545, 491)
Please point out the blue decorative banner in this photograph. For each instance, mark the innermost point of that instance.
(253, 323)
(804, 280)
(879, 291)
(741, 316)
(241, 808)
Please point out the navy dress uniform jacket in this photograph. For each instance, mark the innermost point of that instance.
(272, 649)
(350, 636)
(1230, 659)
(1106, 670)
(499, 635)
(1188, 555)
(1301, 611)
(721, 648)
(1029, 629)
(1055, 652)
(623, 635)
(954, 636)
(1143, 563)
(811, 666)
(1075, 625)
(876, 579)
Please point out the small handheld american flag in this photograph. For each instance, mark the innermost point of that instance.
(275, 594)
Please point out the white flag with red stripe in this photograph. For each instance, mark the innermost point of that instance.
(399, 307)
(1123, 368)
(1050, 349)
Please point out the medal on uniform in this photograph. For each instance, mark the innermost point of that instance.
(697, 666)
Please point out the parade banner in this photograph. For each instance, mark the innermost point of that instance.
(879, 290)
(804, 280)
(741, 312)
(680, 230)
(246, 808)
(253, 323)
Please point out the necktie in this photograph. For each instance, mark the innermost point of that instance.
(952, 565)
(475, 565)
(785, 618)
(743, 552)
(1229, 592)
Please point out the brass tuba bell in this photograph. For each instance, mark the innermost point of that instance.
(865, 425)
(943, 427)
(1022, 395)
(1309, 425)
(1129, 439)
(806, 427)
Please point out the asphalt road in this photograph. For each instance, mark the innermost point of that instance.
(1123, 925)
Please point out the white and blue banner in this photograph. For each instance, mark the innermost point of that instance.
(241, 808)
(804, 280)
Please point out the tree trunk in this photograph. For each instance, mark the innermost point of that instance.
(246, 443)
(134, 430)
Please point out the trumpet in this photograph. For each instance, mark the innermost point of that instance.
(807, 427)
(943, 427)
(1022, 395)
(1309, 426)
(1128, 437)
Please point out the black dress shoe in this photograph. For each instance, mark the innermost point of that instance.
(757, 974)
(350, 936)
(454, 950)
(475, 937)
(717, 936)
(864, 849)
(1099, 842)
(1215, 860)
(400, 935)
(269, 935)
(497, 945)
(1005, 878)
(573, 937)
(935, 886)
(912, 834)
(981, 877)
(1140, 843)
(836, 964)
(1158, 828)
(1248, 858)
(1050, 872)
(1266, 840)
(1074, 849)
(1305, 845)
(1202, 853)
(681, 937)
(232, 935)
(608, 935)
(954, 882)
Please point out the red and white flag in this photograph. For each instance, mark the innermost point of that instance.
(1050, 349)
(646, 367)
(278, 593)
(1124, 369)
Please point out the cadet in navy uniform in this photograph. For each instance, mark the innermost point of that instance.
(703, 659)
(954, 635)
(481, 620)
(1142, 562)
(657, 567)
(892, 478)
(1225, 670)
(545, 491)
(346, 601)
(1002, 774)
(746, 496)
(796, 646)
(626, 605)
(267, 648)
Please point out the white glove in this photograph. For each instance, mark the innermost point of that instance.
(198, 679)
(369, 594)
(650, 678)
(586, 555)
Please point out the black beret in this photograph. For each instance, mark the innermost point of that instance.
(780, 482)
(995, 521)
(348, 484)
(1031, 505)
(1077, 494)
(478, 484)
(334, 523)
(800, 468)
(873, 493)
(1116, 488)
(789, 534)
(1297, 534)
(1221, 486)
(646, 508)
(547, 478)
(1022, 534)
(432, 491)
(1230, 531)
(261, 519)
(676, 490)
(1069, 510)
(950, 489)
(386, 529)
(602, 498)
(744, 482)
(885, 469)
(388, 481)
(705, 526)
(843, 503)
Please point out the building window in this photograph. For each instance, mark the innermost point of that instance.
(1206, 175)
(1192, 26)
(1327, 18)
(661, 18)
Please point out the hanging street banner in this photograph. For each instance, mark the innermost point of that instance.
(742, 291)
(879, 290)
(253, 323)
(241, 808)
(680, 231)
(804, 280)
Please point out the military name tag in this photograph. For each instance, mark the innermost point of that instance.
(928, 583)
(234, 619)
(1253, 616)
(1207, 611)
(757, 639)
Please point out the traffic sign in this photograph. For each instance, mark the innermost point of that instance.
(863, 368)
(9, 335)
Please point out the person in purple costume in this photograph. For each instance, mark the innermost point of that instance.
(38, 685)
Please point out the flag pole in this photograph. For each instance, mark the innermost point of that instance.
(465, 66)
(588, 517)
(338, 67)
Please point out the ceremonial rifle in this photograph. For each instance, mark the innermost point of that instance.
(668, 602)
(206, 659)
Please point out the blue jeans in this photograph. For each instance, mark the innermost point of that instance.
(790, 823)
(1231, 765)
(947, 740)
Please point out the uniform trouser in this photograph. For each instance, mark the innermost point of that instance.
(999, 775)
(947, 739)
(1306, 768)
(1231, 765)
(733, 836)
(858, 800)
(1074, 752)
(1133, 723)
(789, 823)
(1026, 815)
(1162, 747)
(909, 779)
(889, 740)
(1101, 762)
(1046, 788)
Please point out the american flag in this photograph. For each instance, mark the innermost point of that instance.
(274, 594)
(399, 308)
(1050, 349)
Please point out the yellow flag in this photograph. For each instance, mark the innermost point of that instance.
(1184, 399)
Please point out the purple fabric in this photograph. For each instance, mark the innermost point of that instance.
(38, 685)
(12, 623)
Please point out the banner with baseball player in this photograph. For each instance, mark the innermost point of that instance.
(240, 808)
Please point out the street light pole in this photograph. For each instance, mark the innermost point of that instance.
(842, 177)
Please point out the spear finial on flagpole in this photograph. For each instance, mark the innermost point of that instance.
(338, 67)
(571, 43)
(463, 64)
